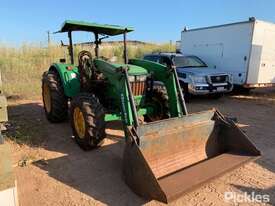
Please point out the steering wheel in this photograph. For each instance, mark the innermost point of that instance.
(84, 57)
(85, 66)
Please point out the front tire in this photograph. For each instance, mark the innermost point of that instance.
(185, 92)
(54, 100)
(87, 119)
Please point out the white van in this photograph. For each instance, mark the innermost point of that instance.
(244, 49)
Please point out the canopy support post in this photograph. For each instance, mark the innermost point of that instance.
(96, 45)
(125, 53)
(71, 50)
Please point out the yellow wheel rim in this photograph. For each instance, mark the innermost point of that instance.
(47, 97)
(79, 122)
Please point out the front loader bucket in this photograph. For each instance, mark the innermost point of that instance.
(173, 156)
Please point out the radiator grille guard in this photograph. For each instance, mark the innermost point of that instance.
(219, 79)
(138, 87)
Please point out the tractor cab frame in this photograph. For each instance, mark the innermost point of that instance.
(100, 31)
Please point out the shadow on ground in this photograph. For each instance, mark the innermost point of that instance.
(97, 173)
(257, 191)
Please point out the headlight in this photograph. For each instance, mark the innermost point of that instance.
(139, 78)
(199, 79)
(131, 78)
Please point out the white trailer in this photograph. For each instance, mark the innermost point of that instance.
(244, 49)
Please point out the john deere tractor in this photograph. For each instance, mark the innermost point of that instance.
(167, 151)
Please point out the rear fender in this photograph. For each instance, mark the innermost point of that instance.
(69, 78)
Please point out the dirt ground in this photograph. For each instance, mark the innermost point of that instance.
(52, 170)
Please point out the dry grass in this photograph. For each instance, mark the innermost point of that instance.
(22, 67)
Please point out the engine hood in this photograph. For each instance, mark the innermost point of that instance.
(201, 71)
(111, 68)
(136, 70)
(133, 69)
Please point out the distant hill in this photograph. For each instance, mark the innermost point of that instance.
(111, 43)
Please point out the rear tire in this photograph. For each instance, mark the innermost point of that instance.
(185, 92)
(241, 90)
(87, 119)
(246, 91)
(159, 101)
(54, 100)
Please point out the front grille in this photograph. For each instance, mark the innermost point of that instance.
(219, 79)
(138, 87)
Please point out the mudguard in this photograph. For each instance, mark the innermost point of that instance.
(69, 76)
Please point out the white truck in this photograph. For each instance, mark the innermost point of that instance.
(244, 49)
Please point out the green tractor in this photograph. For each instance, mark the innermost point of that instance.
(167, 151)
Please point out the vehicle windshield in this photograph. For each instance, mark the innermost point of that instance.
(188, 61)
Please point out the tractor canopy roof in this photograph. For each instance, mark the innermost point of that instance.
(105, 29)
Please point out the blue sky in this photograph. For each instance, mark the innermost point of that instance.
(156, 21)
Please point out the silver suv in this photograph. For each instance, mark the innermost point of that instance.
(195, 76)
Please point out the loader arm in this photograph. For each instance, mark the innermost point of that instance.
(163, 74)
(119, 88)
(167, 158)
